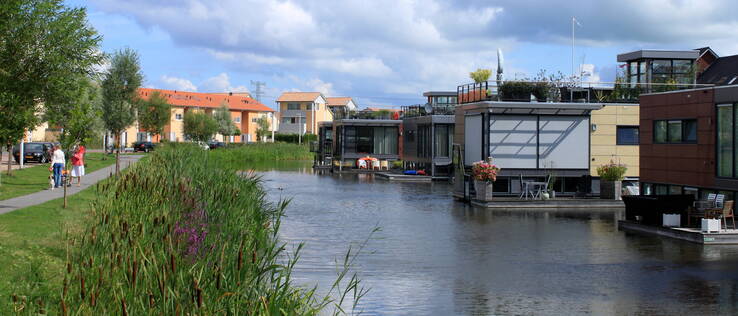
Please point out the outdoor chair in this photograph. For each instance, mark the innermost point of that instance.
(375, 165)
(524, 188)
(362, 164)
(719, 199)
(384, 164)
(728, 213)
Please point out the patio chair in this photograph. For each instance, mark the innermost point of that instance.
(384, 164)
(361, 163)
(375, 165)
(711, 197)
(719, 199)
(728, 213)
(524, 188)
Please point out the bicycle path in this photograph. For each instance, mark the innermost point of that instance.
(88, 180)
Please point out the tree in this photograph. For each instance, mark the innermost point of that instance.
(154, 113)
(199, 126)
(119, 87)
(223, 118)
(77, 113)
(43, 47)
(262, 127)
(480, 75)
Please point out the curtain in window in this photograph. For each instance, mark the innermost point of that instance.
(442, 141)
(379, 140)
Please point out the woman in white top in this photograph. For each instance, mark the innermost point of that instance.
(57, 163)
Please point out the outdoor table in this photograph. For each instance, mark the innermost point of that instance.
(704, 204)
(537, 186)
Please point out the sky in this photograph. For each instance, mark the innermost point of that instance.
(386, 53)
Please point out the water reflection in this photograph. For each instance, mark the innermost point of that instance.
(435, 256)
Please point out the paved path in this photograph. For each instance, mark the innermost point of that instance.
(88, 180)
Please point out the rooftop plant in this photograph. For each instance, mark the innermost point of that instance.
(480, 75)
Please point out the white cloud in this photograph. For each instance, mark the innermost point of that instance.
(368, 67)
(222, 83)
(178, 83)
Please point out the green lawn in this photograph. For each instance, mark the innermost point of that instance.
(31, 243)
(36, 178)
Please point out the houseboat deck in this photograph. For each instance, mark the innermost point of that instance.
(558, 203)
(723, 237)
(404, 177)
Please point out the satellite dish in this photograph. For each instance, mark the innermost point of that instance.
(428, 108)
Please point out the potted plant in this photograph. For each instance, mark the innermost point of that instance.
(550, 185)
(611, 180)
(484, 173)
(519, 91)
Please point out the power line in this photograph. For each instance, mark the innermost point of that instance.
(258, 92)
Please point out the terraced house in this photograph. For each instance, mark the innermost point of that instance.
(300, 112)
(245, 112)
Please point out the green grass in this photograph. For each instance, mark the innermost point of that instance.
(179, 234)
(36, 178)
(34, 235)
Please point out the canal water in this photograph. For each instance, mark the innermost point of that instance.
(435, 256)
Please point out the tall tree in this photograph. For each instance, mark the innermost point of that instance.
(77, 113)
(199, 126)
(43, 47)
(262, 127)
(154, 113)
(119, 87)
(226, 127)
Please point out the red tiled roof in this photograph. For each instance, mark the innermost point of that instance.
(206, 100)
(337, 101)
(298, 96)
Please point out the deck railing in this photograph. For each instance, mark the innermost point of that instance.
(427, 109)
(560, 91)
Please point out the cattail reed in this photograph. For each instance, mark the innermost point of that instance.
(123, 307)
(82, 287)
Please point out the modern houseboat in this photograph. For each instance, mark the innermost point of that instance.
(428, 134)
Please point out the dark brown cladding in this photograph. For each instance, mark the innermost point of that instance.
(680, 164)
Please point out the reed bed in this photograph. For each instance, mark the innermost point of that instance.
(239, 153)
(182, 235)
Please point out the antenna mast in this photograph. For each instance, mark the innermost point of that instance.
(258, 92)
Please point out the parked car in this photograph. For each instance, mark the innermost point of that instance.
(34, 151)
(215, 144)
(143, 146)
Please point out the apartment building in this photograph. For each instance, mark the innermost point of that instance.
(300, 112)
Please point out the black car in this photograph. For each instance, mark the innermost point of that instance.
(143, 146)
(215, 144)
(34, 151)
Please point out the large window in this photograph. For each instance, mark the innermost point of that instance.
(674, 131)
(293, 106)
(443, 140)
(627, 135)
(424, 141)
(665, 70)
(371, 140)
(726, 116)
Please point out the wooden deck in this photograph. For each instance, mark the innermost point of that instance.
(724, 237)
(558, 203)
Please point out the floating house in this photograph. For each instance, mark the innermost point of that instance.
(428, 134)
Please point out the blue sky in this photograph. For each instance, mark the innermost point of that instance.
(387, 52)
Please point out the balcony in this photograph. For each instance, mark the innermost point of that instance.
(563, 91)
(428, 109)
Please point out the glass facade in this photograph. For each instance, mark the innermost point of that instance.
(726, 135)
(443, 140)
(377, 140)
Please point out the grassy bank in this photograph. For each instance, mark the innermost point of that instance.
(36, 178)
(180, 234)
(262, 152)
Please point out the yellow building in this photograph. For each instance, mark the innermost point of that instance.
(300, 112)
(615, 136)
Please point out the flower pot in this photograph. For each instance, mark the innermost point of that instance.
(484, 190)
(544, 195)
(610, 190)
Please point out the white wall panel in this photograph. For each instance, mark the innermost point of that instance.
(472, 139)
(512, 141)
(564, 142)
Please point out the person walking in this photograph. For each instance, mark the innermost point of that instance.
(78, 164)
(57, 163)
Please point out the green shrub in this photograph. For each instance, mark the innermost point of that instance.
(295, 138)
(397, 164)
(238, 154)
(521, 90)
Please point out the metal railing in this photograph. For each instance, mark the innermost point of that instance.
(428, 109)
(563, 91)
